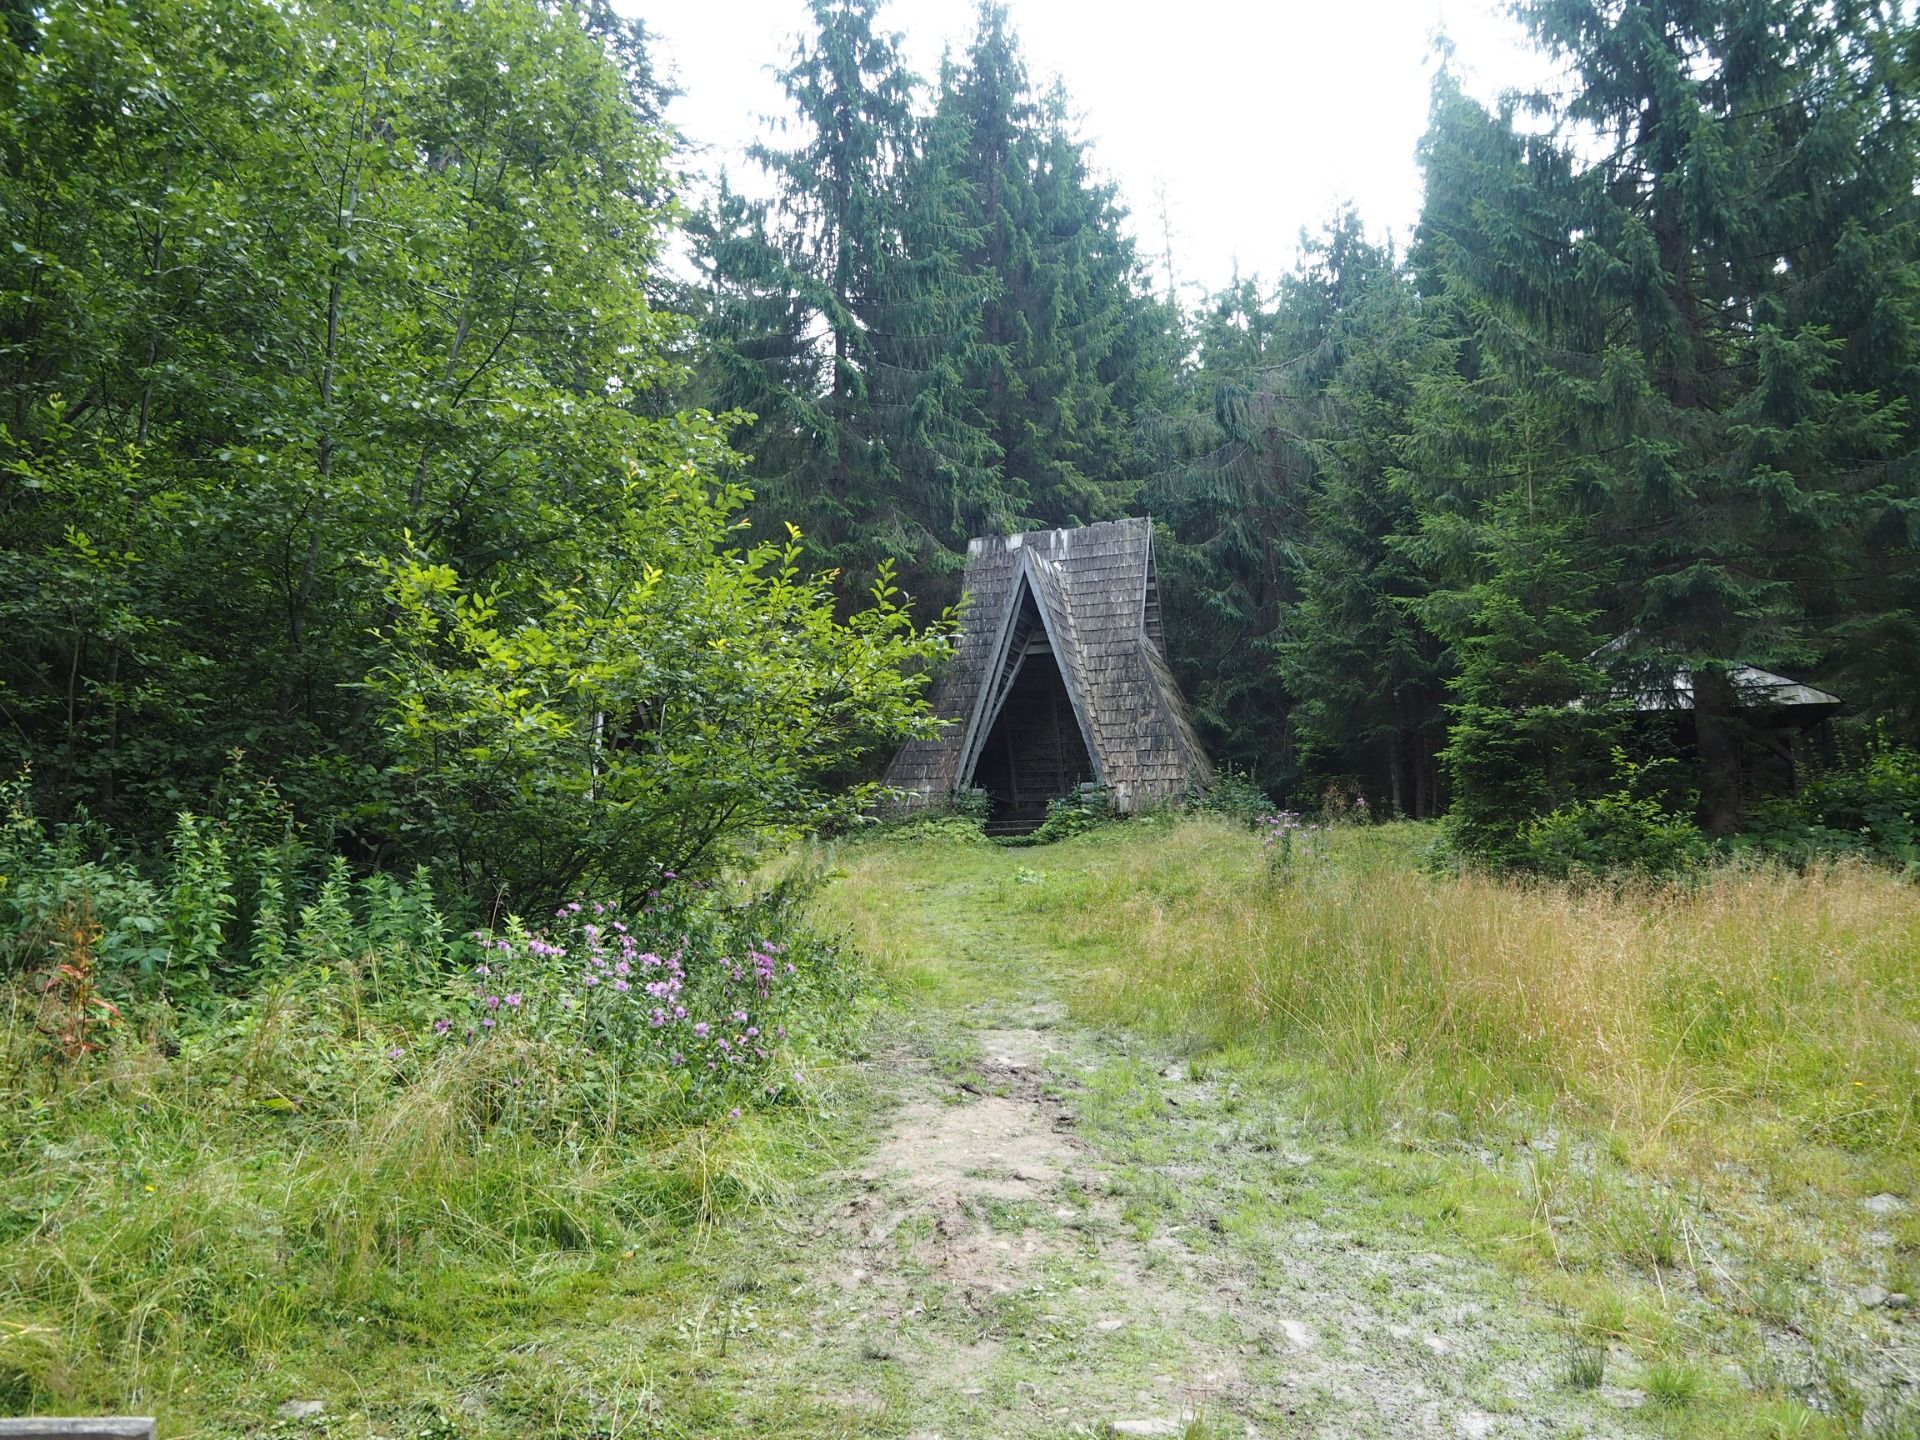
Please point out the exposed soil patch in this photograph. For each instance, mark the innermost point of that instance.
(948, 1193)
(1061, 1238)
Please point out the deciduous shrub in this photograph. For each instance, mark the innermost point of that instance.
(1622, 832)
(1087, 808)
(1871, 809)
(1235, 794)
(672, 700)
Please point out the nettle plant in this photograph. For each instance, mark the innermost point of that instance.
(691, 987)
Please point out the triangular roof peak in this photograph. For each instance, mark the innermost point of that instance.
(1093, 591)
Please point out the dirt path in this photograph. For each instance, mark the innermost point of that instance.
(1062, 1233)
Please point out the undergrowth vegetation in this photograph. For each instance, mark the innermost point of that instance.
(263, 1123)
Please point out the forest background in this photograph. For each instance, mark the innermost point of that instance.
(363, 459)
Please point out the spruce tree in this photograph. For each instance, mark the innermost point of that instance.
(1232, 477)
(1070, 342)
(1302, 647)
(1661, 271)
(840, 318)
(1366, 672)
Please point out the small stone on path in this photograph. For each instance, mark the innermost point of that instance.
(302, 1409)
(1145, 1427)
(1871, 1297)
(1297, 1334)
(1883, 1204)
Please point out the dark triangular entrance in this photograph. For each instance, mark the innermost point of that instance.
(1033, 752)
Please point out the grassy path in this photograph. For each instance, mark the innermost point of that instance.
(1052, 1231)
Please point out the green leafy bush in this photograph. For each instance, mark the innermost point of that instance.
(1234, 794)
(42, 875)
(669, 701)
(221, 916)
(961, 817)
(1622, 832)
(1088, 808)
(1871, 809)
(942, 827)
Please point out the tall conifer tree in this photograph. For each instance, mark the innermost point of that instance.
(1662, 269)
(1366, 672)
(1070, 340)
(840, 315)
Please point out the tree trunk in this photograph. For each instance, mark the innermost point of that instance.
(1717, 740)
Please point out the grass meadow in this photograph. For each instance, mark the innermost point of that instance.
(339, 1184)
(1689, 1113)
(1686, 1118)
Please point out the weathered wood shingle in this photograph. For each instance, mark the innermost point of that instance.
(1094, 586)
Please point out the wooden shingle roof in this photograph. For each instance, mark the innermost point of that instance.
(1096, 590)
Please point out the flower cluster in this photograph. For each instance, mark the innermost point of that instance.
(1282, 826)
(1280, 834)
(672, 986)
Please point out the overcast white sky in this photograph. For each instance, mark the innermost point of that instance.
(1255, 118)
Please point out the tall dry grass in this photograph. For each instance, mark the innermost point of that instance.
(1792, 999)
